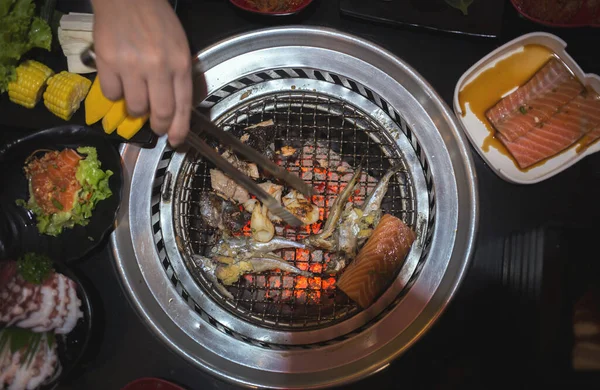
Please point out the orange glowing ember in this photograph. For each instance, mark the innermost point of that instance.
(301, 282)
(302, 254)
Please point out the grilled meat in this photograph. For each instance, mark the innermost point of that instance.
(227, 188)
(257, 136)
(301, 207)
(221, 214)
(249, 169)
(274, 190)
(262, 228)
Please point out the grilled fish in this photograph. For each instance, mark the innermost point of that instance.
(230, 273)
(246, 247)
(373, 201)
(322, 240)
(209, 267)
(358, 224)
(378, 261)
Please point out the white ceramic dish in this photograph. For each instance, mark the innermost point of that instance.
(477, 132)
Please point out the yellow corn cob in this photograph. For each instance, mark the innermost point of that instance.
(96, 104)
(115, 116)
(65, 93)
(130, 126)
(28, 87)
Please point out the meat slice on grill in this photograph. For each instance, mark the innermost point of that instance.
(377, 262)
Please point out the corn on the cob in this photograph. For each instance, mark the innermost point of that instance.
(29, 85)
(65, 93)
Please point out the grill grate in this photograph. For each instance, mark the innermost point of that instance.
(279, 300)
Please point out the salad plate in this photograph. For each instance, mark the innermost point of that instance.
(67, 233)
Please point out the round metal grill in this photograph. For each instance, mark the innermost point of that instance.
(311, 122)
(322, 89)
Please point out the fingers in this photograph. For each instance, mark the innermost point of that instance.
(110, 82)
(162, 102)
(136, 95)
(183, 103)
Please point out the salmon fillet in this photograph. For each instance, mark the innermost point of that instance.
(553, 79)
(53, 180)
(590, 137)
(559, 132)
(539, 109)
(377, 262)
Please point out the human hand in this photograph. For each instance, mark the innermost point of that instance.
(142, 54)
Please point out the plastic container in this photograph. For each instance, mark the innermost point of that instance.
(477, 132)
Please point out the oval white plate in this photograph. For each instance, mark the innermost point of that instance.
(477, 132)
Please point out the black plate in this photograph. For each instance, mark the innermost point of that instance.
(71, 347)
(18, 231)
(484, 16)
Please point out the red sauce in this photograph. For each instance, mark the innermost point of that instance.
(53, 180)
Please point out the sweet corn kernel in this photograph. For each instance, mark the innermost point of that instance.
(65, 93)
(29, 85)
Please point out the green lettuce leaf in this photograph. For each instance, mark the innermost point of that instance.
(94, 188)
(462, 5)
(20, 31)
(23, 8)
(5, 6)
(40, 34)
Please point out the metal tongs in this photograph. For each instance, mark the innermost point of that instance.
(204, 124)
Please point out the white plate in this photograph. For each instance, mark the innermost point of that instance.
(477, 131)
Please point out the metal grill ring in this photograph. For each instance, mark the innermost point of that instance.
(275, 299)
(317, 85)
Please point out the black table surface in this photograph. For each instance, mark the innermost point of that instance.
(479, 341)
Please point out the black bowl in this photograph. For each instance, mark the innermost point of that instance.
(18, 231)
(71, 347)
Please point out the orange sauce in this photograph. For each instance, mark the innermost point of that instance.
(581, 144)
(491, 85)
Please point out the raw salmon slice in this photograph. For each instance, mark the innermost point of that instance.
(377, 262)
(559, 132)
(53, 180)
(538, 109)
(590, 138)
(550, 77)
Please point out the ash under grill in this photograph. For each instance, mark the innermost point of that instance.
(314, 123)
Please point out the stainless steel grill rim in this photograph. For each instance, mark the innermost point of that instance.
(160, 302)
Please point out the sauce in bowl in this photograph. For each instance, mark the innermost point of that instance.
(489, 87)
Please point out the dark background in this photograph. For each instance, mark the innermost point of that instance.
(510, 323)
